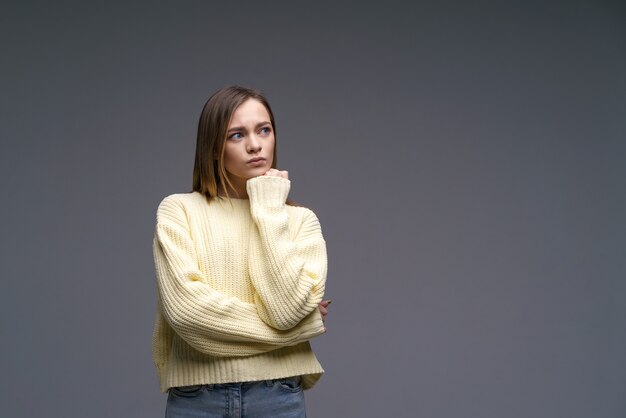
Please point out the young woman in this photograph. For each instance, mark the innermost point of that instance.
(240, 274)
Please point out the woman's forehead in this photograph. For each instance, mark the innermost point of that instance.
(250, 112)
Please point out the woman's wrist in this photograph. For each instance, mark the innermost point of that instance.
(271, 191)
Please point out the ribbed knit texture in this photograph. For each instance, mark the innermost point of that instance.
(238, 283)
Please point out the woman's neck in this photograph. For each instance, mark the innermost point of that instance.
(233, 194)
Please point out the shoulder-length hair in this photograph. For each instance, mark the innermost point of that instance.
(208, 170)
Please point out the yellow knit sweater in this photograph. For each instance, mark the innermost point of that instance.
(238, 284)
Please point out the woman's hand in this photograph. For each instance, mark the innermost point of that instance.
(324, 308)
(277, 173)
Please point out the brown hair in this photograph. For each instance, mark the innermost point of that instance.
(208, 170)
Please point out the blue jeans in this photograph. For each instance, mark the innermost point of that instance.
(279, 398)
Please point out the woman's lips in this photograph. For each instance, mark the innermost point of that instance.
(256, 161)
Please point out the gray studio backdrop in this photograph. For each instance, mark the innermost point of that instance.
(466, 160)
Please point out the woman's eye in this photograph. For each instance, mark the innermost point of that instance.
(266, 130)
(236, 135)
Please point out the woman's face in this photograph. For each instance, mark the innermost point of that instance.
(249, 147)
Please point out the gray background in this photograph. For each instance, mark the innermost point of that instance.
(466, 160)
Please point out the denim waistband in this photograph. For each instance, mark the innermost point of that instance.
(268, 382)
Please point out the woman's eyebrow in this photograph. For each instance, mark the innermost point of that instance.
(241, 128)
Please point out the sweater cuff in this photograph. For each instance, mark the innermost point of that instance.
(270, 191)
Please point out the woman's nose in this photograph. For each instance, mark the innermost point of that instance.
(254, 145)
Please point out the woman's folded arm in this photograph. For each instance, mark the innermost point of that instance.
(288, 273)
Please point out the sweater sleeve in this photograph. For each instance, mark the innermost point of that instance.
(208, 320)
(290, 278)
